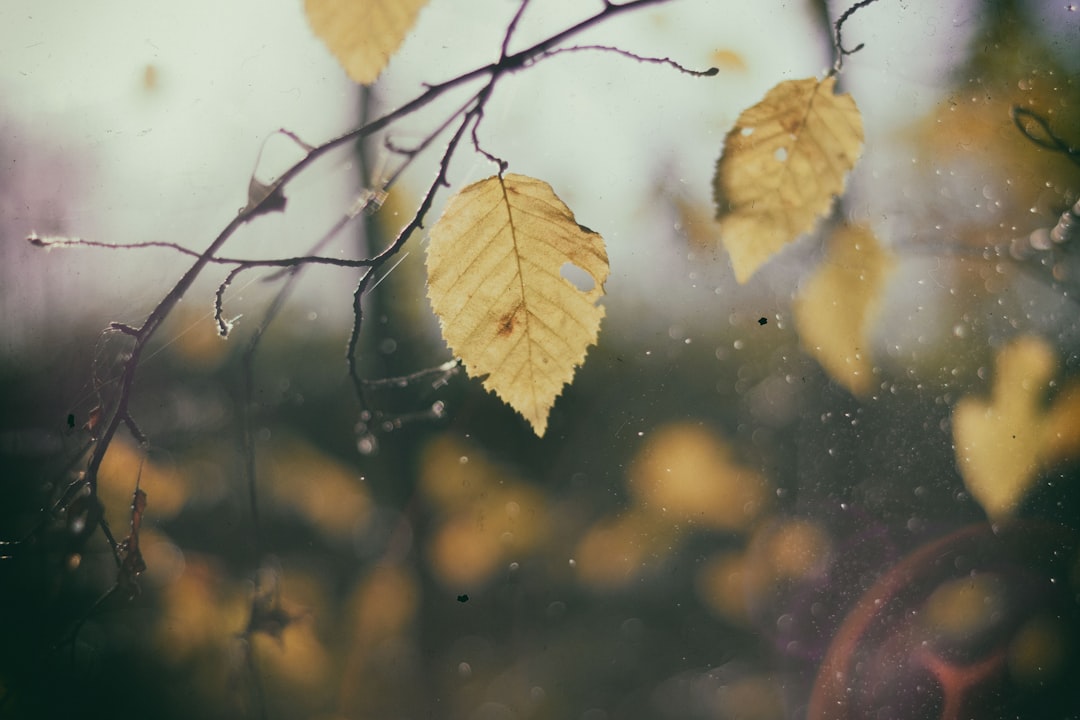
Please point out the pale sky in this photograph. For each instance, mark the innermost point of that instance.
(139, 121)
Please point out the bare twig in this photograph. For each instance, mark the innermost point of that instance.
(633, 56)
(512, 27)
(270, 197)
(838, 28)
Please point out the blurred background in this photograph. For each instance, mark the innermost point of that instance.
(694, 535)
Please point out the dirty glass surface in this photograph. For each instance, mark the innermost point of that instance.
(844, 487)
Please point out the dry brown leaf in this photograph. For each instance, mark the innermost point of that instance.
(834, 312)
(494, 281)
(783, 163)
(362, 34)
(1001, 445)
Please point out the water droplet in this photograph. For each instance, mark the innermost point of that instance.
(367, 444)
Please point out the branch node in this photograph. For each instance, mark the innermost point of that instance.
(124, 328)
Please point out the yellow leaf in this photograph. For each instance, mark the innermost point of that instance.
(494, 281)
(834, 311)
(1001, 445)
(686, 473)
(485, 516)
(783, 162)
(362, 34)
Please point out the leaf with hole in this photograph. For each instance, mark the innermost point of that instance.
(783, 163)
(362, 34)
(495, 281)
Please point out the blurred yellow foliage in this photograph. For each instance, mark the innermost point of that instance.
(1003, 443)
(363, 34)
(297, 656)
(1038, 651)
(727, 59)
(488, 516)
(196, 341)
(325, 492)
(728, 585)
(686, 473)
(971, 133)
(614, 551)
(734, 583)
(200, 610)
(836, 308)
(166, 489)
(384, 604)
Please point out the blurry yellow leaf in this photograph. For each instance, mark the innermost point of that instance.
(727, 60)
(362, 34)
(494, 281)
(723, 584)
(1001, 445)
(783, 162)
(384, 604)
(200, 610)
(614, 551)
(834, 311)
(453, 473)
(795, 549)
(487, 516)
(297, 656)
(166, 490)
(1039, 651)
(696, 223)
(499, 525)
(323, 491)
(735, 585)
(686, 473)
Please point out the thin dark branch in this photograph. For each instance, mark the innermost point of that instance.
(247, 368)
(633, 56)
(270, 197)
(501, 163)
(61, 242)
(224, 326)
(411, 153)
(512, 27)
(838, 28)
(354, 336)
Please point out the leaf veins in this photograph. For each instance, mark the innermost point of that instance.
(494, 281)
(362, 34)
(782, 164)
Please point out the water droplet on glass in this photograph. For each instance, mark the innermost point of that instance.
(367, 444)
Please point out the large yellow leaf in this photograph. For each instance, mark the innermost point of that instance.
(362, 34)
(835, 309)
(783, 162)
(494, 281)
(1001, 445)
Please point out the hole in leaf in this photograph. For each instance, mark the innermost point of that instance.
(746, 131)
(577, 277)
(780, 154)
